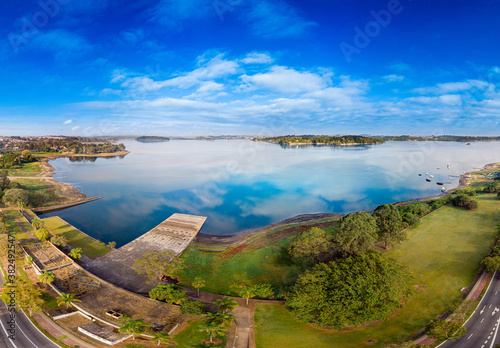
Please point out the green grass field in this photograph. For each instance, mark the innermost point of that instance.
(26, 169)
(219, 269)
(78, 240)
(443, 253)
(191, 336)
(10, 224)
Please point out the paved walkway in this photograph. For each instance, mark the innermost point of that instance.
(57, 331)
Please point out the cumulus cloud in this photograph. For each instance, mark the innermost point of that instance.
(286, 80)
(257, 58)
(68, 122)
(393, 78)
(75, 128)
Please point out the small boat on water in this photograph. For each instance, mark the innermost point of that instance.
(442, 189)
(431, 176)
(440, 183)
(427, 179)
(419, 174)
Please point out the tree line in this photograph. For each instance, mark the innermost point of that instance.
(321, 140)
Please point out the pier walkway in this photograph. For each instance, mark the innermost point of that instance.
(173, 235)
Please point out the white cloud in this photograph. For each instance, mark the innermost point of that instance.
(393, 78)
(452, 87)
(287, 80)
(75, 128)
(68, 122)
(447, 99)
(257, 58)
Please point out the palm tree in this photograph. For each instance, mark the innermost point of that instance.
(36, 223)
(213, 328)
(133, 327)
(198, 283)
(220, 318)
(46, 278)
(178, 297)
(161, 337)
(75, 253)
(66, 299)
(226, 304)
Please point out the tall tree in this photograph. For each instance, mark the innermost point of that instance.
(198, 283)
(155, 264)
(390, 224)
(66, 299)
(309, 244)
(350, 291)
(28, 296)
(4, 179)
(357, 233)
(213, 329)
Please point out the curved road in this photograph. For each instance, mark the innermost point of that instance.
(26, 334)
(483, 325)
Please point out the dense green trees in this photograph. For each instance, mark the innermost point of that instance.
(464, 201)
(357, 233)
(349, 292)
(11, 197)
(390, 225)
(309, 244)
(322, 140)
(168, 293)
(443, 330)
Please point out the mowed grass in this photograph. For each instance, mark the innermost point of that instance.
(10, 224)
(90, 248)
(443, 253)
(191, 336)
(219, 270)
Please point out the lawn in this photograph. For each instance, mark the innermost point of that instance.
(10, 224)
(26, 169)
(90, 248)
(191, 336)
(443, 253)
(219, 269)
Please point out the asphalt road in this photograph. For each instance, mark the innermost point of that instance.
(26, 334)
(483, 326)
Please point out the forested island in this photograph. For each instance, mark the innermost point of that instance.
(151, 139)
(288, 140)
(459, 138)
(59, 145)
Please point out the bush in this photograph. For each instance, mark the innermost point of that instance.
(464, 201)
(491, 263)
(410, 219)
(193, 308)
(42, 234)
(492, 188)
(12, 196)
(15, 185)
(59, 240)
(466, 191)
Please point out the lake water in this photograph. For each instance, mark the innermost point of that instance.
(241, 184)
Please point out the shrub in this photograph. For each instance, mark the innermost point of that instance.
(12, 196)
(491, 263)
(193, 308)
(464, 201)
(410, 219)
(59, 240)
(43, 234)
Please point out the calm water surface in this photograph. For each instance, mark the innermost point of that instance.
(240, 185)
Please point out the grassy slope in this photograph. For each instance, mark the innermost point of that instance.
(443, 253)
(26, 169)
(219, 269)
(90, 248)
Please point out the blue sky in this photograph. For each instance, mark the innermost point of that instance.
(256, 67)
